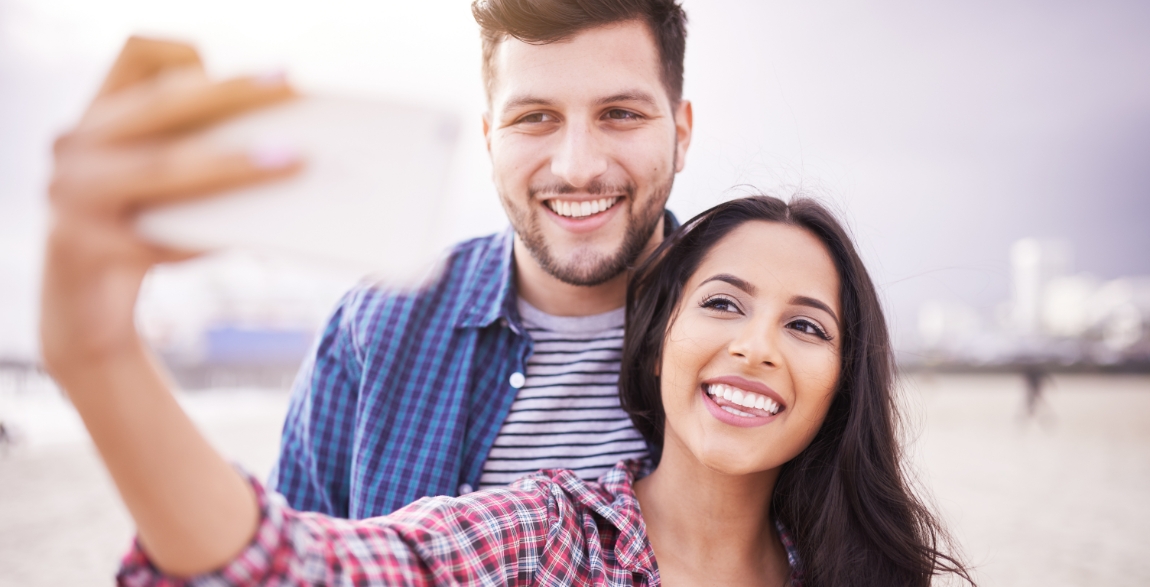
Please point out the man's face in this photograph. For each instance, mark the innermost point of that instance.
(584, 144)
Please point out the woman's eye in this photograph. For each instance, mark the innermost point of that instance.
(808, 327)
(720, 304)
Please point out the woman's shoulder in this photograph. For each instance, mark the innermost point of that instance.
(613, 486)
(548, 493)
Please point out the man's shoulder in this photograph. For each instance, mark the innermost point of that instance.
(467, 271)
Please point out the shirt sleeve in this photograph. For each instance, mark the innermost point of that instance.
(487, 538)
(313, 469)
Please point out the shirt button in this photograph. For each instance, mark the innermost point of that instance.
(517, 380)
(465, 489)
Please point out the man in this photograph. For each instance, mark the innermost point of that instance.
(504, 364)
(508, 363)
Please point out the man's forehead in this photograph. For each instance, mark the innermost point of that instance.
(594, 64)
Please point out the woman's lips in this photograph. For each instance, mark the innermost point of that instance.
(739, 402)
(746, 385)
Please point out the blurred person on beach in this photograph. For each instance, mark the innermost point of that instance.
(506, 363)
(757, 364)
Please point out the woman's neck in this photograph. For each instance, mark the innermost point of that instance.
(710, 528)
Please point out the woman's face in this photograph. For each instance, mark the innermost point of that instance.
(751, 358)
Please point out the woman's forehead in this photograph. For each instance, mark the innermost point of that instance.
(775, 258)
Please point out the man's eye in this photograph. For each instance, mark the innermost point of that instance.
(808, 327)
(535, 117)
(617, 114)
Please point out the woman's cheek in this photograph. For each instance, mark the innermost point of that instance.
(828, 374)
(691, 344)
(675, 373)
(815, 380)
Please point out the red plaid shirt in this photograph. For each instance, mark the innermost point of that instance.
(551, 528)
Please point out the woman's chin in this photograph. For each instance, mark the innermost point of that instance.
(734, 463)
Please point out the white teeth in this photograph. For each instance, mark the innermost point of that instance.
(736, 412)
(572, 209)
(743, 398)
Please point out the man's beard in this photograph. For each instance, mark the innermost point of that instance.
(589, 269)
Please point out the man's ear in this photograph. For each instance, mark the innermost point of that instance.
(684, 123)
(487, 131)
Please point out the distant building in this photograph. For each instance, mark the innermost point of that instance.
(1054, 317)
(1034, 264)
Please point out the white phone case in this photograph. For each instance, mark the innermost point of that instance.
(369, 196)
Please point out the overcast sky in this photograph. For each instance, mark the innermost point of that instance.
(941, 133)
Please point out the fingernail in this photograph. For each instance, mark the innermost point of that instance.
(274, 156)
(276, 77)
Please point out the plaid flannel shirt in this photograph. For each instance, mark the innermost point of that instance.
(551, 528)
(406, 391)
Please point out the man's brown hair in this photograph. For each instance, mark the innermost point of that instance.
(547, 21)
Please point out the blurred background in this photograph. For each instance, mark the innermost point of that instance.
(990, 157)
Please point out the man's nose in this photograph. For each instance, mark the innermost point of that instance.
(580, 157)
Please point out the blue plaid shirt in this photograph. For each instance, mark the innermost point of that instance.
(407, 391)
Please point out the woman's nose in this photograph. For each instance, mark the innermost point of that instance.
(756, 344)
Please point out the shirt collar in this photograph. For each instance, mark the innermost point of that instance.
(489, 280)
(489, 286)
(616, 503)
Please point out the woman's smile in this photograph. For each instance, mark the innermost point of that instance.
(741, 402)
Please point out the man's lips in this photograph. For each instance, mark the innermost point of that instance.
(579, 208)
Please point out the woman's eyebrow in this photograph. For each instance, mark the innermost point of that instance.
(814, 303)
(731, 279)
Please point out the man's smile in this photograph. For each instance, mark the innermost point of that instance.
(581, 208)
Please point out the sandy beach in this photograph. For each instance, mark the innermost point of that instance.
(1054, 499)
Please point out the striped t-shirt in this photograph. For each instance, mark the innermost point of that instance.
(567, 413)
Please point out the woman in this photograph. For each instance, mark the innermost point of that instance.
(757, 365)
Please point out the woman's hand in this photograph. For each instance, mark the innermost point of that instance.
(124, 155)
(127, 153)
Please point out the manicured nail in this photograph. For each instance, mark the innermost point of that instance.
(276, 77)
(274, 156)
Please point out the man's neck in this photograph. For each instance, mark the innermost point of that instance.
(549, 294)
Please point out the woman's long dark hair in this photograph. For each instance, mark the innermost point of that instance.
(844, 498)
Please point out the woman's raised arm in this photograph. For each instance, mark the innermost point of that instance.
(193, 511)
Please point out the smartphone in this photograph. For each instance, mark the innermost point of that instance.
(369, 197)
